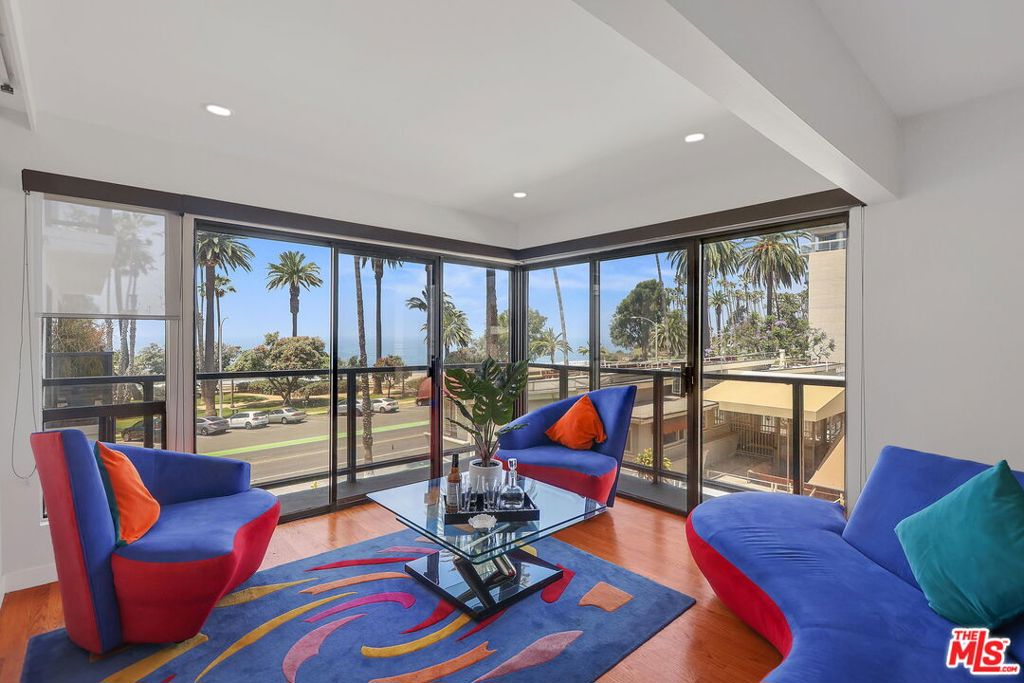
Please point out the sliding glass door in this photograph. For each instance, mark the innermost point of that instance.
(383, 362)
(645, 335)
(774, 372)
(262, 359)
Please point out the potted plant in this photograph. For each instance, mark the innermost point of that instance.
(486, 399)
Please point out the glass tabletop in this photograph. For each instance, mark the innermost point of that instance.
(420, 506)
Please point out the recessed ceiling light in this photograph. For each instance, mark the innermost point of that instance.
(519, 195)
(218, 110)
(694, 137)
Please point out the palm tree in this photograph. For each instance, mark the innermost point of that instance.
(561, 314)
(213, 251)
(364, 379)
(378, 265)
(455, 330)
(774, 260)
(661, 281)
(221, 286)
(292, 271)
(721, 259)
(491, 316)
(717, 301)
(548, 344)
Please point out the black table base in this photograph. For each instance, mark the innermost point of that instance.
(481, 590)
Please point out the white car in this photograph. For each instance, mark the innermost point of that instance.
(250, 419)
(286, 415)
(384, 405)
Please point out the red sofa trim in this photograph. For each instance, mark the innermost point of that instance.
(146, 590)
(741, 595)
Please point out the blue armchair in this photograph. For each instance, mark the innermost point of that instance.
(593, 473)
(212, 534)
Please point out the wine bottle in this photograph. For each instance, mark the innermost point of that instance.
(453, 493)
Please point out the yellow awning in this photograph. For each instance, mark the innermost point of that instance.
(776, 400)
(832, 473)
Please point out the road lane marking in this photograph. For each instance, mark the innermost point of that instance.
(312, 439)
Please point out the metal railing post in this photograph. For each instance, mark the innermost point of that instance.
(797, 431)
(658, 449)
(563, 383)
(147, 438)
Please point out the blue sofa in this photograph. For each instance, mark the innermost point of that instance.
(837, 598)
(594, 473)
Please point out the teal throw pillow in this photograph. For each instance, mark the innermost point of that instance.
(967, 549)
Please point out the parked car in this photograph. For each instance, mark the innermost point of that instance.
(384, 405)
(250, 419)
(286, 415)
(343, 408)
(137, 432)
(211, 425)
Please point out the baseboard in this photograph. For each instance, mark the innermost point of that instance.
(27, 578)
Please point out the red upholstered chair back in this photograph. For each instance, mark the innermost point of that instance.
(82, 531)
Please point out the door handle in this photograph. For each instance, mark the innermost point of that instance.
(689, 377)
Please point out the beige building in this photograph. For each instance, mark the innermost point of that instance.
(826, 285)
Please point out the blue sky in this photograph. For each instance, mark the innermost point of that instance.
(253, 311)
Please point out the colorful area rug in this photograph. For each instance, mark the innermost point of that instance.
(352, 614)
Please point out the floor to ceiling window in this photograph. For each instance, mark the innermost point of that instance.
(103, 289)
(263, 329)
(383, 425)
(644, 341)
(774, 371)
(475, 324)
(558, 333)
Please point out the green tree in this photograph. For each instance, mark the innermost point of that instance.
(536, 322)
(150, 360)
(548, 344)
(225, 252)
(718, 300)
(293, 272)
(721, 259)
(631, 324)
(390, 379)
(671, 332)
(283, 353)
(774, 261)
(455, 330)
(491, 318)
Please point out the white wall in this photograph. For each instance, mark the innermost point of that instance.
(62, 146)
(943, 330)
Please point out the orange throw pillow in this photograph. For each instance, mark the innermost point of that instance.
(133, 507)
(579, 428)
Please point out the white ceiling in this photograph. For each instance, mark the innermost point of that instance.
(923, 55)
(456, 103)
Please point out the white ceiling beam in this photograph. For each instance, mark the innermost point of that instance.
(780, 68)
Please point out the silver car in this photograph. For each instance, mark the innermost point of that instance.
(384, 405)
(250, 419)
(286, 415)
(211, 425)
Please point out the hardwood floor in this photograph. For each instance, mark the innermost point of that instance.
(706, 644)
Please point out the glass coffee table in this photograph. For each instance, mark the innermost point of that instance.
(483, 572)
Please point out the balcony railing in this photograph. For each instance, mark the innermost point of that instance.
(665, 387)
(151, 411)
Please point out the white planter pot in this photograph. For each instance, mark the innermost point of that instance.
(479, 475)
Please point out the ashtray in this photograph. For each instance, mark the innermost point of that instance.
(482, 522)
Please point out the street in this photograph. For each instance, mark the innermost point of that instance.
(280, 451)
